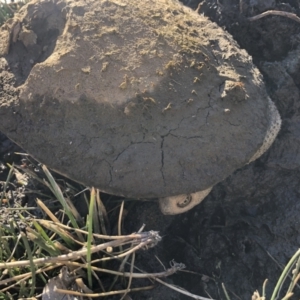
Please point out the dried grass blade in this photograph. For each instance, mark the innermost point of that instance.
(32, 265)
(149, 242)
(47, 211)
(181, 290)
(102, 213)
(97, 295)
(101, 236)
(96, 216)
(32, 175)
(73, 209)
(288, 296)
(264, 289)
(130, 277)
(10, 173)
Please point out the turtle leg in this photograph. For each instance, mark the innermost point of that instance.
(181, 203)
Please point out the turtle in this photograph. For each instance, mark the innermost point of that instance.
(144, 100)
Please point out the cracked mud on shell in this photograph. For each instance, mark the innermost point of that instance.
(172, 109)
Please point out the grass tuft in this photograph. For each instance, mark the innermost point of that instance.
(62, 251)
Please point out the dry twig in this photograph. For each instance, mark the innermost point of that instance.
(276, 13)
(147, 239)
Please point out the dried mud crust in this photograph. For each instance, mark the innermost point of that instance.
(113, 94)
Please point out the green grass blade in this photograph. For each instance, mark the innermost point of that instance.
(32, 265)
(65, 235)
(284, 274)
(225, 291)
(60, 197)
(90, 237)
(37, 239)
(44, 235)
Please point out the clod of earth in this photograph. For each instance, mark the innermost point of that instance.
(144, 100)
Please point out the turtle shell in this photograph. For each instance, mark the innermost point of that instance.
(140, 100)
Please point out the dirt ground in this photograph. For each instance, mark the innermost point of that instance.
(247, 229)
